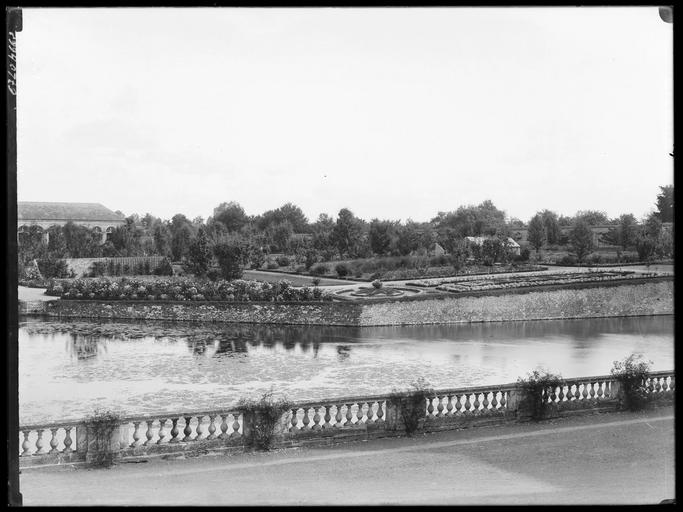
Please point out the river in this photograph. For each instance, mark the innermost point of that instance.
(69, 369)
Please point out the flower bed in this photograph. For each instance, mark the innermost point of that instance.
(182, 290)
(501, 282)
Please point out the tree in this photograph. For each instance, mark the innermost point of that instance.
(322, 232)
(380, 236)
(491, 250)
(581, 239)
(229, 257)
(459, 253)
(180, 242)
(624, 233)
(288, 212)
(162, 239)
(665, 204)
(280, 234)
(199, 254)
(551, 225)
(591, 217)
(81, 242)
(231, 215)
(407, 239)
(31, 245)
(483, 219)
(537, 233)
(346, 232)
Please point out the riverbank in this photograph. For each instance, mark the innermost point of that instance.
(653, 296)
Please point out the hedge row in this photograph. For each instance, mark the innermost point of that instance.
(182, 290)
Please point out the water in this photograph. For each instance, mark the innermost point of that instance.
(68, 369)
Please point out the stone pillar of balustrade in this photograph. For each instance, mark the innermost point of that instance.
(87, 441)
(393, 415)
(515, 405)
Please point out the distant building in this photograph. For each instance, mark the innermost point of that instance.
(45, 215)
(479, 240)
(437, 250)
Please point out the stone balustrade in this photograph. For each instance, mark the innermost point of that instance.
(324, 421)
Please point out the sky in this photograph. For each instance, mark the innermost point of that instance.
(393, 113)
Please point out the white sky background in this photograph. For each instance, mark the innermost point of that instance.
(393, 113)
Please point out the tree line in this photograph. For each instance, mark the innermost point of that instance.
(233, 239)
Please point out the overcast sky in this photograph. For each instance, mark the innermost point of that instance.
(393, 113)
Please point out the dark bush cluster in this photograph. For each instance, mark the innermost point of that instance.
(182, 290)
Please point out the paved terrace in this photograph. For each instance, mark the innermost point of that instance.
(614, 458)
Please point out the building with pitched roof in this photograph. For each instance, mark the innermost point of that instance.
(45, 215)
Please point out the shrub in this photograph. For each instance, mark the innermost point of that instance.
(102, 425)
(315, 281)
(342, 269)
(97, 269)
(164, 268)
(265, 414)
(283, 261)
(320, 269)
(272, 265)
(568, 260)
(413, 405)
(214, 274)
(632, 373)
(300, 269)
(377, 284)
(53, 267)
(537, 387)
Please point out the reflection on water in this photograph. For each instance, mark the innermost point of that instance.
(146, 367)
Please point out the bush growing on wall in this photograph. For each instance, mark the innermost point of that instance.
(632, 372)
(102, 425)
(341, 269)
(265, 414)
(413, 405)
(537, 386)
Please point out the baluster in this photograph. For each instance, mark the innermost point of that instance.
(468, 404)
(40, 443)
(200, 428)
(592, 390)
(236, 425)
(162, 431)
(449, 405)
(136, 434)
(327, 417)
(338, 418)
(477, 403)
(174, 431)
(430, 406)
(503, 399)
(658, 385)
(485, 403)
(53, 440)
(439, 406)
(359, 414)
(561, 394)
(349, 415)
(371, 414)
(600, 393)
(224, 426)
(294, 427)
(149, 434)
(306, 419)
(672, 383)
(25, 445)
(316, 419)
(553, 394)
(494, 401)
(67, 439)
(584, 393)
(380, 412)
(212, 427)
(187, 430)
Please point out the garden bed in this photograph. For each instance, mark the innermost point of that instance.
(182, 289)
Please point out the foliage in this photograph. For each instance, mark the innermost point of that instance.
(164, 268)
(377, 284)
(483, 219)
(380, 236)
(342, 269)
(346, 232)
(229, 257)
(581, 238)
(320, 269)
(537, 235)
(551, 226)
(413, 404)
(632, 372)
(179, 289)
(199, 254)
(665, 204)
(53, 267)
(537, 386)
(591, 217)
(102, 424)
(266, 412)
(283, 261)
(231, 215)
(460, 251)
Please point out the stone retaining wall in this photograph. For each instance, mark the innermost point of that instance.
(652, 297)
